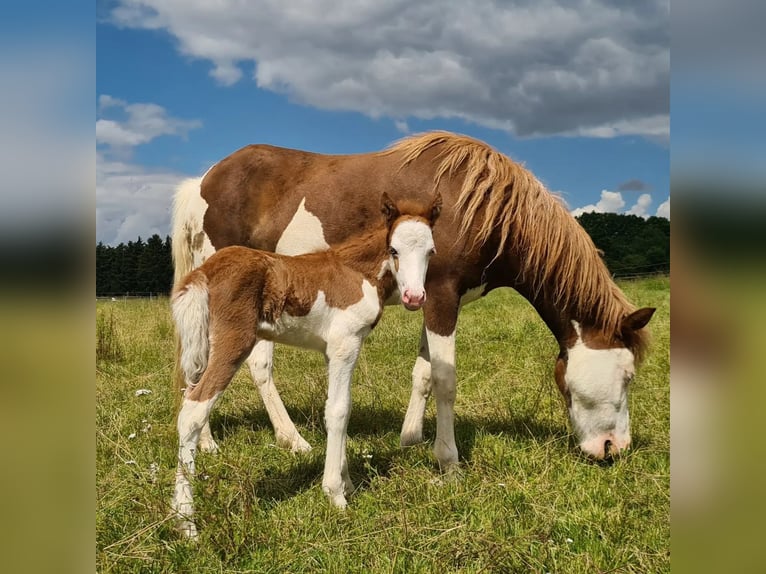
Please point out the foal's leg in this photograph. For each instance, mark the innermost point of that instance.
(412, 428)
(206, 441)
(341, 358)
(261, 368)
(193, 416)
(190, 421)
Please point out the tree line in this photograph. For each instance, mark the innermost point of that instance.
(138, 267)
(632, 246)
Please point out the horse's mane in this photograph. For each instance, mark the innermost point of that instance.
(557, 257)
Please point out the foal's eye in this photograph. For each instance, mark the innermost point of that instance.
(393, 252)
(432, 251)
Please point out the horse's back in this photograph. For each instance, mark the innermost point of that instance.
(254, 194)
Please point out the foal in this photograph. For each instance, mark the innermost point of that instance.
(327, 301)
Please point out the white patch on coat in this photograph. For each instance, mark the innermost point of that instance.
(443, 381)
(303, 234)
(597, 381)
(472, 294)
(192, 418)
(189, 209)
(414, 242)
(322, 322)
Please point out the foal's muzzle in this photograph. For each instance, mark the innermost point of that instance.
(413, 301)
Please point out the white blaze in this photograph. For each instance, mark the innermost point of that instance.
(413, 243)
(597, 382)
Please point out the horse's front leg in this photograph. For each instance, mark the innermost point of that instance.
(412, 428)
(341, 358)
(260, 363)
(440, 325)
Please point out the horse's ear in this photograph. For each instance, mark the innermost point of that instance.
(388, 208)
(637, 319)
(436, 207)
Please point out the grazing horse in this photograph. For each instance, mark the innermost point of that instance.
(500, 228)
(327, 301)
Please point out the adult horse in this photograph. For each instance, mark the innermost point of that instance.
(499, 227)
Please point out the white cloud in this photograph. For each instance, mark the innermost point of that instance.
(613, 202)
(402, 126)
(641, 205)
(143, 122)
(664, 209)
(132, 201)
(533, 68)
(610, 202)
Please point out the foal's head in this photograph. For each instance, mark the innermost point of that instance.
(594, 373)
(410, 246)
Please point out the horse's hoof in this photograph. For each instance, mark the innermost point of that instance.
(339, 501)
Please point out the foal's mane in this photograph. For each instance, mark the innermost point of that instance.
(557, 257)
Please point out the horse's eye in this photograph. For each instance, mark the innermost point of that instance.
(432, 251)
(393, 252)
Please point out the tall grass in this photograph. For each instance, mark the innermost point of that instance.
(525, 501)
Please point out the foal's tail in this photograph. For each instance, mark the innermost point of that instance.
(191, 315)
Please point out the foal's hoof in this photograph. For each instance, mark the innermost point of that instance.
(410, 438)
(295, 443)
(187, 529)
(208, 445)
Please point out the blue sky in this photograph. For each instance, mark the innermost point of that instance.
(577, 92)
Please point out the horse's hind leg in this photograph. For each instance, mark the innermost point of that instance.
(261, 368)
(412, 428)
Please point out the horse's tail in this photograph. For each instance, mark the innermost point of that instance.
(191, 315)
(188, 210)
(187, 223)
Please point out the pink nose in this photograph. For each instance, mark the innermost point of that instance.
(413, 301)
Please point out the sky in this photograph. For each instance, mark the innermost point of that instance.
(577, 91)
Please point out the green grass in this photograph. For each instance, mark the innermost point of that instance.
(525, 501)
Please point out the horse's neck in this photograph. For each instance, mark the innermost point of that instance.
(367, 255)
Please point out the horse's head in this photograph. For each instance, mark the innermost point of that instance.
(410, 246)
(593, 373)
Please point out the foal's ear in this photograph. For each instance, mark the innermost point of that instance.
(436, 208)
(388, 208)
(637, 319)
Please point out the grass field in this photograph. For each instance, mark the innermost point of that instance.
(525, 501)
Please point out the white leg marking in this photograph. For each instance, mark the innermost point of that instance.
(412, 428)
(341, 358)
(261, 368)
(206, 441)
(191, 419)
(442, 352)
